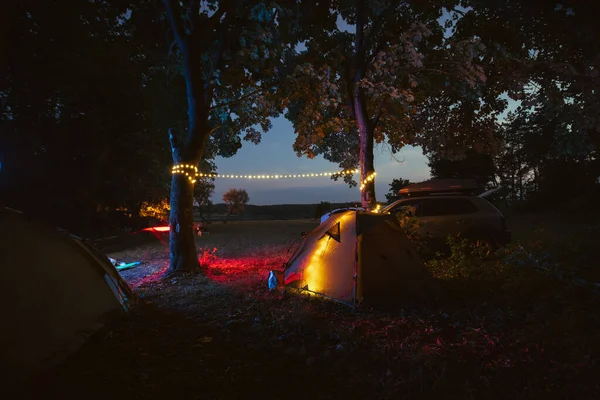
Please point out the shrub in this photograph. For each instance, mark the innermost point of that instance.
(464, 261)
(159, 210)
(411, 226)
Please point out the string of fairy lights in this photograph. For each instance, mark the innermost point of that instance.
(368, 179)
(192, 173)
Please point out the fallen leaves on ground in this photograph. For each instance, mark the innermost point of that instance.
(221, 335)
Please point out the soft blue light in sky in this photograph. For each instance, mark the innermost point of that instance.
(275, 155)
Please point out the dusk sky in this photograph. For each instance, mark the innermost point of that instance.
(275, 155)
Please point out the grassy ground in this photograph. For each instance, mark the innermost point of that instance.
(573, 239)
(222, 335)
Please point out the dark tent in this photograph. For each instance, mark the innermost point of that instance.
(55, 291)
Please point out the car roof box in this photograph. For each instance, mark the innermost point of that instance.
(440, 186)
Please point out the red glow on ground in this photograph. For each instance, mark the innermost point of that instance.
(157, 229)
(227, 270)
(154, 277)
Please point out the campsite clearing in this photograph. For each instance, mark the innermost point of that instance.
(223, 335)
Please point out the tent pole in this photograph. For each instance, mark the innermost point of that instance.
(354, 277)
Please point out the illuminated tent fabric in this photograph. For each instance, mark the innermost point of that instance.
(54, 292)
(358, 256)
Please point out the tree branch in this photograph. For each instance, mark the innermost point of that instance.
(167, 69)
(375, 29)
(459, 12)
(218, 53)
(216, 17)
(216, 58)
(442, 62)
(176, 25)
(359, 42)
(171, 49)
(175, 148)
(349, 87)
(439, 71)
(194, 14)
(239, 100)
(378, 114)
(272, 20)
(376, 51)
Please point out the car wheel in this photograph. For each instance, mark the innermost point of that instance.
(487, 244)
(483, 241)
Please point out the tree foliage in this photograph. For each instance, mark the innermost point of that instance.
(473, 165)
(394, 193)
(79, 89)
(552, 138)
(538, 56)
(158, 209)
(363, 83)
(203, 191)
(236, 200)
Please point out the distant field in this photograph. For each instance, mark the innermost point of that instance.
(246, 236)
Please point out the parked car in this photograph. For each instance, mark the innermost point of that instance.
(443, 210)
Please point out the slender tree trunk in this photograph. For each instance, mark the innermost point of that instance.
(87, 194)
(365, 127)
(182, 242)
(367, 194)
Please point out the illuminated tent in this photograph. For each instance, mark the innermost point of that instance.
(358, 256)
(55, 290)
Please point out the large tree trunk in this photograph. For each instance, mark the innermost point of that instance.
(365, 127)
(182, 243)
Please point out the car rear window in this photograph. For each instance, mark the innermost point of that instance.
(447, 206)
